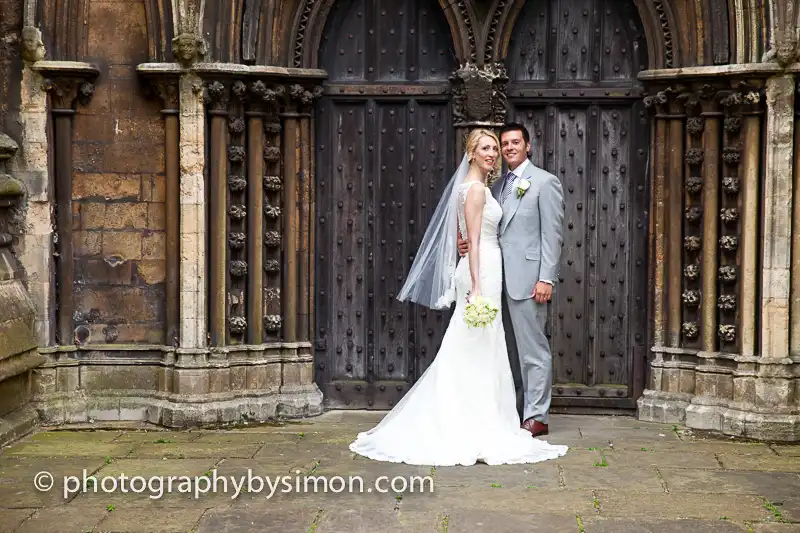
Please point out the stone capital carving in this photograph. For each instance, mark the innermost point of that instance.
(188, 49)
(260, 96)
(65, 91)
(479, 94)
(302, 96)
(217, 96)
(32, 45)
(165, 88)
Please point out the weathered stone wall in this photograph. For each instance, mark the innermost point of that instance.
(118, 189)
(10, 66)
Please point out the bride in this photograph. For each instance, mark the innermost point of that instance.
(462, 410)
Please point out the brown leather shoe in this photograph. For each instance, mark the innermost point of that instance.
(535, 427)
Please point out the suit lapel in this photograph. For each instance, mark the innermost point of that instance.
(514, 201)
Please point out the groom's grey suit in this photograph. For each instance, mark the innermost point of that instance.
(531, 234)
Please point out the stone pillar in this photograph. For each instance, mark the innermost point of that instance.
(68, 84)
(777, 217)
(289, 290)
(716, 378)
(255, 205)
(166, 89)
(218, 97)
(18, 354)
(192, 213)
(35, 246)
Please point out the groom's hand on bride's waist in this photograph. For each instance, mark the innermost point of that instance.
(463, 246)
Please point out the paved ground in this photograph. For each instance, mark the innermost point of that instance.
(620, 476)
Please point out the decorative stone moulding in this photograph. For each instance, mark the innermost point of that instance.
(691, 243)
(694, 184)
(727, 302)
(272, 323)
(237, 212)
(691, 298)
(691, 272)
(272, 154)
(730, 185)
(727, 274)
(272, 265)
(693, 213)
(237, 324)
(727, 332)
(236, 154)
(272, 238)
(729, 243)
(694, 156)
(695, 126)
(690, 330)
(732, 124)
(272, 211)
(732, 154)
(272, 293)
(729, 215)
(272, 183)
(237, 240)
(237, 183)
(238, 269)
(236, 125)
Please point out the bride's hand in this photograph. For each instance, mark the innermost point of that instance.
(474, 294)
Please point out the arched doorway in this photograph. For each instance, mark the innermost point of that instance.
(572, 66)
(384, 151)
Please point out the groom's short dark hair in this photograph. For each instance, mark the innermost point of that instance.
(515, 126)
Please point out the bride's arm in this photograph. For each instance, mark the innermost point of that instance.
(473, 211)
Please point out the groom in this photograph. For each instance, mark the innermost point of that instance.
(531, 235)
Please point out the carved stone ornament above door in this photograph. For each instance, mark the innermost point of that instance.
(479, 94)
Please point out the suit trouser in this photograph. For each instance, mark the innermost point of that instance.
(532, 366)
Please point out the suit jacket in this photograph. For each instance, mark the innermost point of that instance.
(531, 231)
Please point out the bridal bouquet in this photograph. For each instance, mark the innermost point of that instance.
(480, 313)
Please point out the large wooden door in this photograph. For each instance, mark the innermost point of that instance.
(384, 151)
(572, 66)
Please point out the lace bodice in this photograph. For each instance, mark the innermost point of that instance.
(492, 213)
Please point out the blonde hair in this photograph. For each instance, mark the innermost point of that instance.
(471, 145)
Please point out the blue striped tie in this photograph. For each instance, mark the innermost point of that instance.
(507, 186)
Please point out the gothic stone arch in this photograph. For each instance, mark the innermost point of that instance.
(311, 17)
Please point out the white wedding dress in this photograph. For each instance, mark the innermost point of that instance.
(462, 410)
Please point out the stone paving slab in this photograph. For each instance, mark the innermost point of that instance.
(620, 475)
(627, 503)
(626, 525)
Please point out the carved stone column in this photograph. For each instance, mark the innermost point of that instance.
(794, 297)
(297, 205)
(217, 100)
(747, 277)
(674, 207)
(18, 354)
(717, 378)
(777, 217)
(68, 84)
(273, 307)
(658, 104)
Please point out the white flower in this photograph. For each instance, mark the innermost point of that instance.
(522, 187)
(480, 313)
